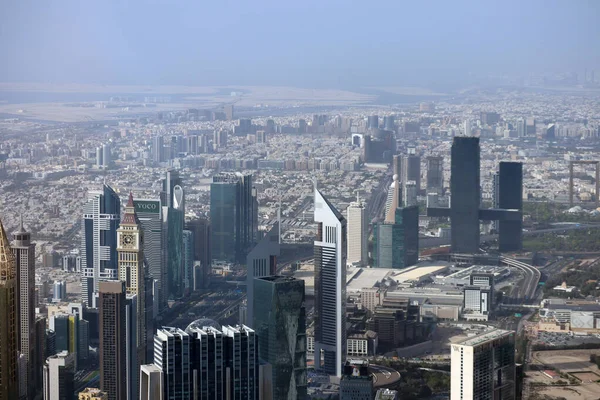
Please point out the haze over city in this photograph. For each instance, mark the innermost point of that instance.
(264, 200)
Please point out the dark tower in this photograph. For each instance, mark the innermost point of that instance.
(465, 192)
(510, 188)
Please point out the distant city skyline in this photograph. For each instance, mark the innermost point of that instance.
(308, 44)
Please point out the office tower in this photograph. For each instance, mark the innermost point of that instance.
(158, 149)
(151, 382)
(530, 126)
(521, 127)
(207, 362)
(173, 201)
(131, 269)
(397, 165)
(192, 144)
(467, 128)
(92, 394)
(372, 122)
(280, 324)
(149, 214)
(151, 307)
(356, 382)
(40, 351)
(410, 194)
(106, 155)
(59, 374)
(172, 357)
(241, 361)
(357, 233)
(388, 123)
(113, 350)
(101, 218)
(330, 286)
(435, 175)
(220, 139)
(397, 238)
(9, 388)
(134, 354)
(510, 197)
(551, 132)
(228, 110)
(233, 216)
(59, 291)
(483, 366)
(270, 127)
(261, 261)
(99, 157)
(465, 190)
(489, 118)
(24, 253)
(188, 261)
(261, 137)
(201, 230)
(411, 170)
(302, 126)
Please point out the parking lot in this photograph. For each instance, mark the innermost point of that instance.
(565, 339)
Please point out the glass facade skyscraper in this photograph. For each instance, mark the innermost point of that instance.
(280, 324)
(173, 201)
(510, 196)
(466, 195)
(101, 218)
(233, 217)
(397, 244)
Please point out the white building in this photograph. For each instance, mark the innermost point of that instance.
(483, 366)
(59, 372)
(330, 287)
(357, 233)
(151, 382)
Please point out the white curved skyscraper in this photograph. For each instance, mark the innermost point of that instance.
(330, 287)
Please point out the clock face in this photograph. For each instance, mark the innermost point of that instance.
(127, 239)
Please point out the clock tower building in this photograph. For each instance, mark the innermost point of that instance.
(131, 269)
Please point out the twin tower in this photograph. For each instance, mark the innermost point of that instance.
(465, 210)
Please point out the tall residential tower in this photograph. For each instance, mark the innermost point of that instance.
(9, 388)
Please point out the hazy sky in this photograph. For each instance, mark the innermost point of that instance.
(311, 43)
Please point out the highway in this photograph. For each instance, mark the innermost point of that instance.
(530, 282)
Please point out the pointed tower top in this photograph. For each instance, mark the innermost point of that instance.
(130, 200)
(130, 217)
(8, 268)
(21, 228)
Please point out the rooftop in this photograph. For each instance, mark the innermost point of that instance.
(485, 337)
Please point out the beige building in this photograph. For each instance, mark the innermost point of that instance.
(357, 233)
(93, 394)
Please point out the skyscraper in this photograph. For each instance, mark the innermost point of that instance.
(172, 356)
(9, 388)
(261, 261)
(113, 347)
(241, 362)
(207, 362)
(510, 197)
(201, 229)
(158, 149)
(59, 374)
(149, 213)
(173, 201)
(151, 382)
(134, 355)
(280, 324)
(101, 217)
(24, 252)
(357, 233)
(483, 366)
(466, 195)
(131, 270)
(397, 238)
(435, 175)
(188, 261)
(411, 170)
(330, 286)
(233, 216)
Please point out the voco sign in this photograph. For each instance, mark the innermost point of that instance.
(146, 206)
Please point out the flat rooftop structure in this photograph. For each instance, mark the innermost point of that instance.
(485, 337)
(361, 278)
